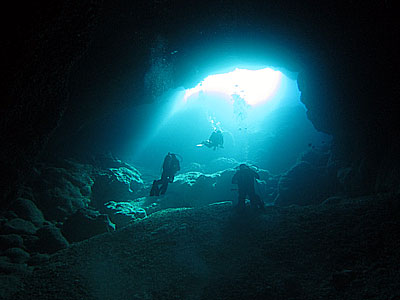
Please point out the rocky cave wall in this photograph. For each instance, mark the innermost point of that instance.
(42, 42)
(72, 63)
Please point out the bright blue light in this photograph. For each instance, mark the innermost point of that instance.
(254, 86)
(259, 113)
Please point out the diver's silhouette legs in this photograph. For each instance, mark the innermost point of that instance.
(241, 201)
(256, 202)
(164, 186)
(155, 190)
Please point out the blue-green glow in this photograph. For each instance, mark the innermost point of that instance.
(258, 111)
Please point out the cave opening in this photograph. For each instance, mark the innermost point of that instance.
(258, 110)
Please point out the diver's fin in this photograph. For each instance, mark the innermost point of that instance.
(155, 191)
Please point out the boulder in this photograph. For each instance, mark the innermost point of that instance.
(194, 189)
(107, 161)
(220, 164)
(27, 210)
(19, 226)
(14, 269)
(116, 184)
(303, 184)
(38, 259)
(316, 156)
(10, 241)
(122, 213)
(192, 167)
(50, 240)
(9, 214)
(17, 255)
(26, 192)
(62, 189)
(30, 243)
(86, 223)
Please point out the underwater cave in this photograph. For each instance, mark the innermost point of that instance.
(207, 150)
(258, 112)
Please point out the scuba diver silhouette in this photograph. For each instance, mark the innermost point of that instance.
(170, 167)
(245, 178)
(215, 140)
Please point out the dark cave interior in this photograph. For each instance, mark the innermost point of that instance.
(80, 74)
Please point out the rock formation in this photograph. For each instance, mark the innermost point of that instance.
(70, 66)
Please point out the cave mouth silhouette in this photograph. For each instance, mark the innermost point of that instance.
(270, 133)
